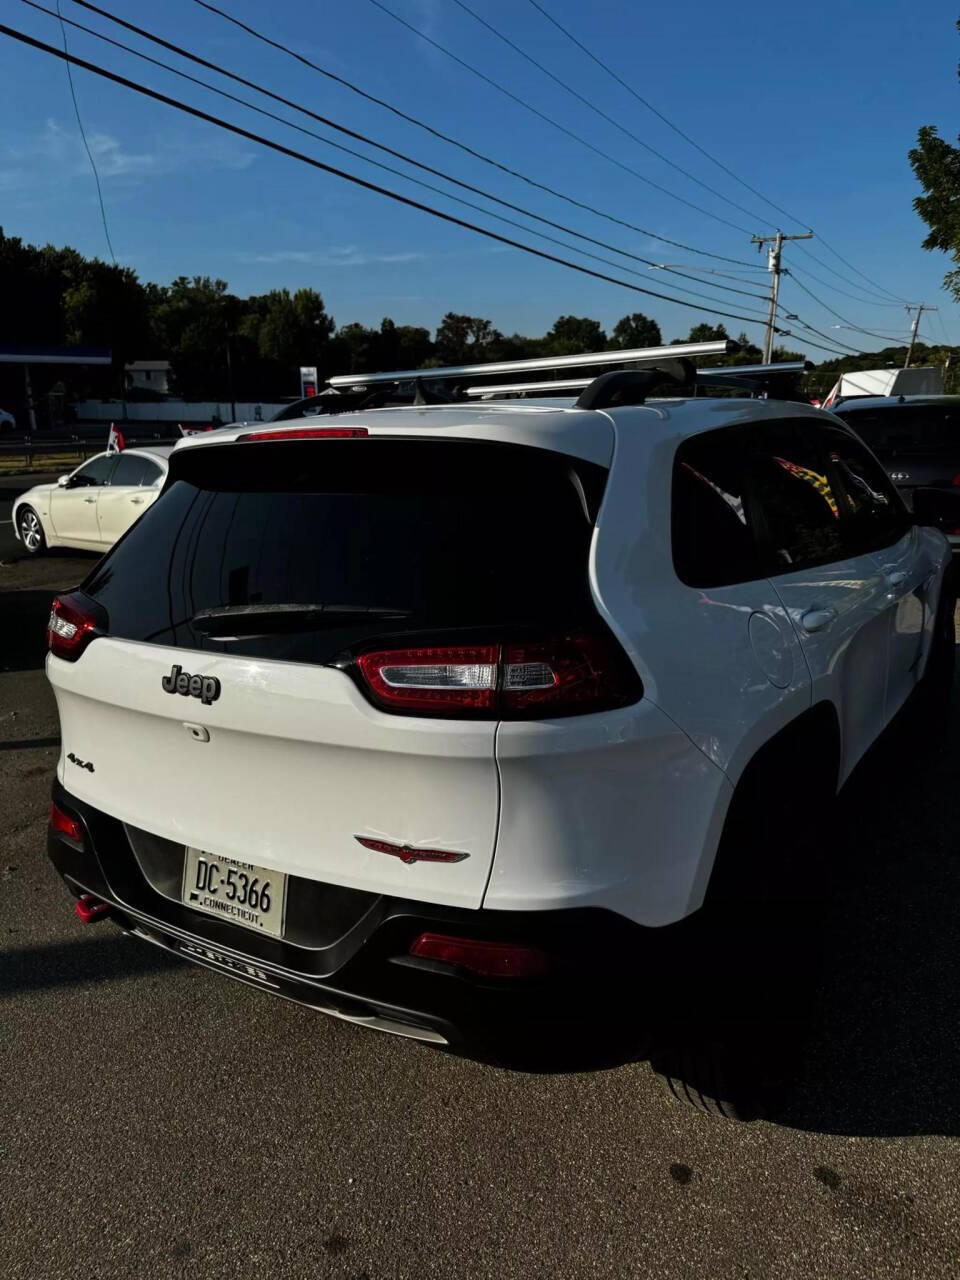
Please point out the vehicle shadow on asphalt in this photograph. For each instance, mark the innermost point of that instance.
(107, 958)
(23, 625)
(23, 622)
(884, 1055)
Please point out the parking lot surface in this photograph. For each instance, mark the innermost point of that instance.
(157, 1120)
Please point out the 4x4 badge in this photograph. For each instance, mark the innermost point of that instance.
(206, 688)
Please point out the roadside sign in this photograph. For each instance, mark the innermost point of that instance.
(308, 381)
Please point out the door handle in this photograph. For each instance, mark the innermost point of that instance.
(817, 619)
(896, 578)
(136, 501)
(89, 499)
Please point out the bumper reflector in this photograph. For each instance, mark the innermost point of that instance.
(91, 909)
(64, 825)
(487, 959)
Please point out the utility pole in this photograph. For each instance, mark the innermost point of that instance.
(919, 309)
(773, 266)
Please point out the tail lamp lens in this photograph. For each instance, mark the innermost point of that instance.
(63, 825)
(70, 628)
(561, 676)
(436, 680)
(486, 959)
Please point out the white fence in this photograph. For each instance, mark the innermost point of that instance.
(186, 411)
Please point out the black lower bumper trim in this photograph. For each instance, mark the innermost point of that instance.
(601, 965)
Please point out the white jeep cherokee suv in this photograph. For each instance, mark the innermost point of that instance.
(449, 720)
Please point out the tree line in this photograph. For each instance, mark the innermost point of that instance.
(222, 346)
(219, 343)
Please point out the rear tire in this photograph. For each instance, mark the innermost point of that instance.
(746, 991)
(713, 1078)
(31, 532)
(936, 685)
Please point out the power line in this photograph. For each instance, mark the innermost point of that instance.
(686, 137)
(86, 145)
(434, 132)
(273, 145)
(461, 4)
(659, 114)
(867, 302)
(859, 328)
(846, 347)
(204, 84)
(826, 266)
(507, 93)
(184, 53)
(827, 245)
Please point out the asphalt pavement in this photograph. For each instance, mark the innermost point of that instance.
(158, 1121)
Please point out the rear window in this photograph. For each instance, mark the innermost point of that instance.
(926, 428)
(379, 536)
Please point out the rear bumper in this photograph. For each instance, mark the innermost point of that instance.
(601, 984)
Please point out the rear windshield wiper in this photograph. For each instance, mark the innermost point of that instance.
(250, 619)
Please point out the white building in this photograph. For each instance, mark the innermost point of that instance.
(148, 375)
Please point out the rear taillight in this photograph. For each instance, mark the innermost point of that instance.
(441, 681)
(561, 676)
(956, 481)
(486, 959)
(70, 628)
(63, 825)
(307, 433)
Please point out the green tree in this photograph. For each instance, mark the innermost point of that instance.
(704, 333)
(105, 305)
(464, 339)
(403, 346)
(293, 330)
(354, 350)
(636, 330)
(191, 322)
(936, 164)
(573, 335)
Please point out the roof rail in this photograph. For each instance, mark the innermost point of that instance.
(586, 360)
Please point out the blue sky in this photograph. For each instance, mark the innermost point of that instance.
(815, 106)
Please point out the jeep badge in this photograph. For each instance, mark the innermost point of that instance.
(206, 688)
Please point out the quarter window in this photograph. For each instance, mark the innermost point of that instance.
(874, 512)
(713, 544)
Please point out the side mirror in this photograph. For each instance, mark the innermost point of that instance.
(63, 481)
(937, 507)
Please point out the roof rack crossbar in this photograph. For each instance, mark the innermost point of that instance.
(585, 360)
(753, 377)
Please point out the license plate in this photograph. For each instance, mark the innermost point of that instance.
(236, 891)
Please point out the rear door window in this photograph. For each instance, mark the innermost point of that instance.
(132, 469)
(95, 472)
(375, 536)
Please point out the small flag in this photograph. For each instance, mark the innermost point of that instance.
(114, 440)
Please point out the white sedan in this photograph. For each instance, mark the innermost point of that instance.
(93, 506)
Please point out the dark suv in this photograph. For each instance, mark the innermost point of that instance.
(917, 438)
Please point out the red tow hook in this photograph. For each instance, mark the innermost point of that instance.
(91, 909)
